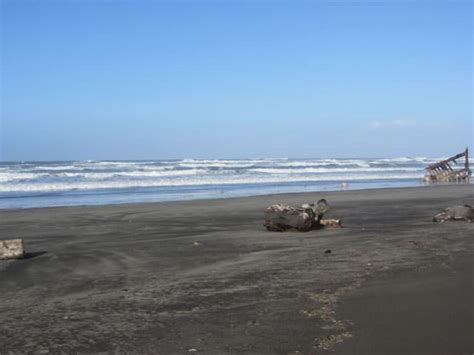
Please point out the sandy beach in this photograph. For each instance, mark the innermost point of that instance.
(204, 276)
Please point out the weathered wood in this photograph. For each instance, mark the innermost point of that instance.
(280, 218)
(443, 172)
(444, 162)
(12, 249)
(466, 162)
(331, 223)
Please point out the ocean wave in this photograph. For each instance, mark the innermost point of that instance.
(54, 183)
(421, 160)
(12, 176)
(325, 162)
(197, 181)
(177, 171)
(97, 175)
(330, 170)
(238, 163)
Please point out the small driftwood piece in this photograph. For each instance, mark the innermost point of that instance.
(12, 249)
(279, 218)
(455, 213)
(442, 171)
(331, 223)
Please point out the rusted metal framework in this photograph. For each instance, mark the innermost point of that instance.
(442, 171)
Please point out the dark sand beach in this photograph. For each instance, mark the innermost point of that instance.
(204, 276)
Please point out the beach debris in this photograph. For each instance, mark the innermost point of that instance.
(12, 249)
(319, 208)
(279, 218)
(455, 213)
(331, 223)
(442, 171)
(327, 251)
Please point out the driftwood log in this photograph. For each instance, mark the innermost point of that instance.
(455, 213)
(279, 218)
(12, 249)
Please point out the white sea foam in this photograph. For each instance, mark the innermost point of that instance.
(97, 175)
(329, 170)
(121, 184)
(55, 167)
(13, 176)
(422, 160)
(92, 182)
(242, 163)
(138, 174)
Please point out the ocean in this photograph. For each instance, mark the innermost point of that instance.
(44, 184)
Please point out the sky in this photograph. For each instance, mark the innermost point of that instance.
(234, 79)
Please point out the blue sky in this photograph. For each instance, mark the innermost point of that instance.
(156, 79)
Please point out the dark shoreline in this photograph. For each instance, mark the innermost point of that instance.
(204, 274)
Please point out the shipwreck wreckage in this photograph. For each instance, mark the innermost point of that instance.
(443, 172)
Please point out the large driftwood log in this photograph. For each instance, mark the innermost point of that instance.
(279, 217)
(12, 249)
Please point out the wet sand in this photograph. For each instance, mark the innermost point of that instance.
(168, 278)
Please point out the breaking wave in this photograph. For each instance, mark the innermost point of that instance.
(242, 176)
